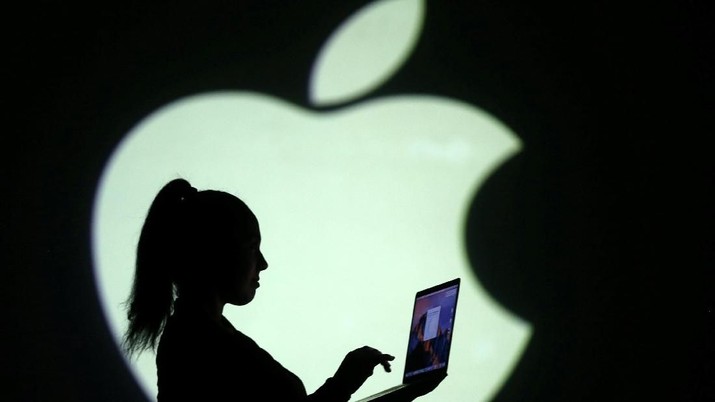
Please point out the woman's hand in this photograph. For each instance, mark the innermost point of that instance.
(358, 365)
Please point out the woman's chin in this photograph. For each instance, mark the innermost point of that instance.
(243, 298)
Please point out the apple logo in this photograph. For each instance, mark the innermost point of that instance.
(360, 206)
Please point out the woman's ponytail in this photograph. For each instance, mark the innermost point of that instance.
(152, 296)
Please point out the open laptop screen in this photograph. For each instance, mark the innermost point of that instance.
(431, 330)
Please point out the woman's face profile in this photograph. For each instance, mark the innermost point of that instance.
(243, 269)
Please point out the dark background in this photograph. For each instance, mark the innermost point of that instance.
(599, 233)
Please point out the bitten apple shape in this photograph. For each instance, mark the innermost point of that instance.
(359, 208)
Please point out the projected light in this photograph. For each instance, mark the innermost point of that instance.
(359, 208)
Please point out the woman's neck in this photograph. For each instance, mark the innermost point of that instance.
(206, 304)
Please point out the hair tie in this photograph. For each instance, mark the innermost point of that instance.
(190, 193)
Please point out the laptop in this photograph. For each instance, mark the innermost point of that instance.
(430, 336)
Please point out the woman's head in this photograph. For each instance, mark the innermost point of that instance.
(227, 253)
(204, 243)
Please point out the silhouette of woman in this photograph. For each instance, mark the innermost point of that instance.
(199, 250)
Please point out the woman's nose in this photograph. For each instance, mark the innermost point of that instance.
(263, 264)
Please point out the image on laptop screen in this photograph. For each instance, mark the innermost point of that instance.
(431, 330)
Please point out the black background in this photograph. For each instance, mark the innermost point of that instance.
(599, 233)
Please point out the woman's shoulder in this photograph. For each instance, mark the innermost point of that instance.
(191, 333)
(185, 329)
(210, 354)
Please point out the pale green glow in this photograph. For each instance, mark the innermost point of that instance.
(365, 50)
(359, 208)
